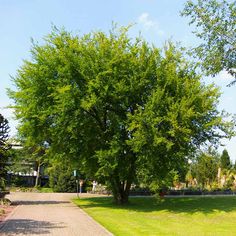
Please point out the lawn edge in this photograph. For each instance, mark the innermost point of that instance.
(89, 216)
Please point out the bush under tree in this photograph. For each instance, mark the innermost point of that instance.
(61, 178)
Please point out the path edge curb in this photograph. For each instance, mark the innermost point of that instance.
(91, 218)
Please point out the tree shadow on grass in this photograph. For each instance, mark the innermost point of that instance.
(189, 205)
(27, 227)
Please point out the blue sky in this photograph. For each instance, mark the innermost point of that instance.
(157, 20)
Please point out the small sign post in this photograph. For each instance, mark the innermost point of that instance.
(77, 187)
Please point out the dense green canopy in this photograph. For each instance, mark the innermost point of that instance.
(116, 105)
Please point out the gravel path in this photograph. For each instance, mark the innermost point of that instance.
(49, 214)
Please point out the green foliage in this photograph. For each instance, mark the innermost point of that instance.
(230, 182)
(116, 106)
(45, 190)
(21, 161)
(161, 185)
(189, 176)
(4, 130)
(61, 178)
(215, 22)
(4, 148)
(206, 169)
(5, 201)
(28, 159)
(225, 160)
(2, 184)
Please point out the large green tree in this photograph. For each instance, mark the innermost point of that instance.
(216, 26)
(116, 105)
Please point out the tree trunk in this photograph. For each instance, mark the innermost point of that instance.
(37, 176)
(121, 188)
(121, 196)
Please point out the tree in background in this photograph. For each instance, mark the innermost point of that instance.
(117, 106)
(37, 154)
(206, 169)
(189, 178)
(216, 26)
(4, 132)
(61, 177)
(225, 160)
(4, 147)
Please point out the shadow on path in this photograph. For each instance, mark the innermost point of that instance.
(28, 227)
(39, 202)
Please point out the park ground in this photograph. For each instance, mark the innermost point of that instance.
(48, 214)
(170, 216)
(54, 214)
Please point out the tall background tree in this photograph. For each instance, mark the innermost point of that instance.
(4, 135)
(225, 160)
(216, 26)
(115, 105)
(205, 168)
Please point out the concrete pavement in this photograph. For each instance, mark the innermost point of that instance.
(49, 214)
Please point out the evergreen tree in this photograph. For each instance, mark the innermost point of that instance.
(4, 134)
(225, 160)
(206, 169)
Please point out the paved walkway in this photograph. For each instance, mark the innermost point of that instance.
(48, 214)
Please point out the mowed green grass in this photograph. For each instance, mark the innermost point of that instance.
(172, 216)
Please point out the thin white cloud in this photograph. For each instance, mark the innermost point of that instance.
(225, 75)
(222, 79)
(149, 23)
(144, 19)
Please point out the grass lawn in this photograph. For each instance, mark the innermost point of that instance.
(172, 216)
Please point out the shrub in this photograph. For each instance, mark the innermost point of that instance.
(2, 184)
(61, 178)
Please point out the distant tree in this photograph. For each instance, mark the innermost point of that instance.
(61, 177)
(189, 178)
(116, 105)
(36, 154)
(225, 160)
(4, 135)
(18, 161)
(29, 158)
(206, 169)
(216, 26)
(4, 132)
